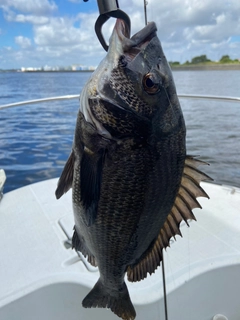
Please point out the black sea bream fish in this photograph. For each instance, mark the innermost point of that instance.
(132, 182)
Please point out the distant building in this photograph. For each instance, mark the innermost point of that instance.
(47, 68)
(74, 67)
(29, 69)
(77, 67)
(80, 67)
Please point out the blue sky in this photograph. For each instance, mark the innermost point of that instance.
(36, 33)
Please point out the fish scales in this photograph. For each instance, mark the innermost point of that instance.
(132, 182)
(128, 94)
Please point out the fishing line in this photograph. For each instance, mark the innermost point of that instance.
(145, 10)
(164, 288)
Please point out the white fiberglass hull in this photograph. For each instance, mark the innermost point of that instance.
(42, 279)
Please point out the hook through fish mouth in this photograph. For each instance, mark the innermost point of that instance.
(138, 41)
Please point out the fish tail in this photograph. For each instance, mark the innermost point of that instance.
(116, 300)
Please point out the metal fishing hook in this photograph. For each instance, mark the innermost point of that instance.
(108, 9)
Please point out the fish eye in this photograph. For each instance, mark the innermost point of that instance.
(150, 83)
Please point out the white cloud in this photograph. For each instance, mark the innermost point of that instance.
(37, 7)
(68, 41)
(27, 18)
(58, 32)
(23, 42)
(186, 28)
(30, 11)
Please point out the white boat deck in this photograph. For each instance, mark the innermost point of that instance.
(42, 279)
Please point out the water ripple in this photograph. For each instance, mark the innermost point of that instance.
(35, 140)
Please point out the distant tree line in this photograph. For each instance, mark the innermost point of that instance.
(204, 59)
(226, 59)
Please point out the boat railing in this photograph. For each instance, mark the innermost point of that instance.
(50, 99)
(2, 181)
(76, 96)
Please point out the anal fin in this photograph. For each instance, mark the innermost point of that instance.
(181, 210)
(79, 245)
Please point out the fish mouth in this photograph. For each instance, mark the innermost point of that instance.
(138, 42)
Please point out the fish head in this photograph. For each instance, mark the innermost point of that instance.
(134, 78)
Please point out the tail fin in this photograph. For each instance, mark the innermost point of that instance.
(117, 300)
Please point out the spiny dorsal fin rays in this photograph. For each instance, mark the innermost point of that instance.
(193, 187)
(174, 223)
(195, 173)
(192, 161)
(189, 198)
(182, 210)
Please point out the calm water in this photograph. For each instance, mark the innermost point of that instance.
(36, 140)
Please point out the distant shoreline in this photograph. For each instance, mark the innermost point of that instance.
(206, 67)
(57, 71)
(189, 67)
(48, 71)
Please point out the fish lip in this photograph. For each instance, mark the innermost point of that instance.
(138, 41)
(122, 29)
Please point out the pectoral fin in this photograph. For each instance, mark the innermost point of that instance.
(66, 178)
(91, 177)
(182, 210)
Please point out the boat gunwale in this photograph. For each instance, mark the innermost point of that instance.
(77, 96)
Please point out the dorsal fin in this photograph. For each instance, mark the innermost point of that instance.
(182, 210)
